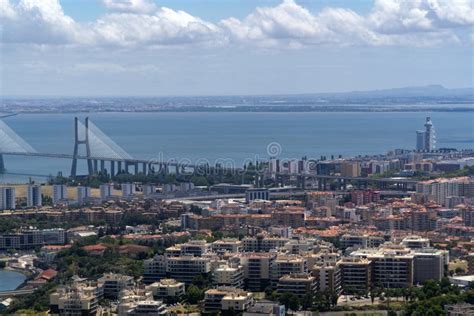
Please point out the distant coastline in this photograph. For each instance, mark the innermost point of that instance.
(242, 109)
(421, 99)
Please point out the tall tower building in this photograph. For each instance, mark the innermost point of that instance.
(430, 136)
(7, 198)
(33, 197)
(426, 140)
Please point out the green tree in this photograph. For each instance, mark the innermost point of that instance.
(290, 300)
(194, 294)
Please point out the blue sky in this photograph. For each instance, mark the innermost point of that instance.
(212, 10)
(221, 47)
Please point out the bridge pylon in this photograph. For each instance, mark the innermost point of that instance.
(77, 142)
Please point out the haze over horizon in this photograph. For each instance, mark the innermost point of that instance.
(266, 47)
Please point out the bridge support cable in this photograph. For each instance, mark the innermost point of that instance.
(10, 142)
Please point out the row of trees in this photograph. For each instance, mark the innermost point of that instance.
(319, 301)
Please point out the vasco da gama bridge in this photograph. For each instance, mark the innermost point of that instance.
(102, 152)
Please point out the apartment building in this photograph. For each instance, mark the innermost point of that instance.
(33, 196)
(59, 193)
(299, 284)
(287, 264)
(360, 241)
(77, 299)
(195, 248)
(226, 299)
(391, 267)
(428, 264)
(439, 190)
(7, 198)
(262, 243)
(415, 242)
(232, 245)
(257, 269)
(32, 238)
(186, 268)
(167, 289)
(328, 277)
(154, 269)
(226, 275)
(113, 284)
(355, 275)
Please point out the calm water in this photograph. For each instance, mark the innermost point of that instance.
(10, 280)
(237, 136)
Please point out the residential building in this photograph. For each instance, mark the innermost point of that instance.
(59, 193)
(391, 267)
(350, 169)
(232, 245)
(83, 193)
(328, 277)
(33, 196)
(265, 308)
(226, 275)
(226, 299)
(257, 269)
(77, 299)
(7, 198)
(299, 284)
(428, 264)
(355, 275)
(128, 189)
(167, 289)
(186, 268)
(113, 284)
(287, 264)
(106, 191)
(262, 243)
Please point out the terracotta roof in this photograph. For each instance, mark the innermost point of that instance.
(98, 247)
(48, 274)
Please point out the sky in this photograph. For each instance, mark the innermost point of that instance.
(232, 47)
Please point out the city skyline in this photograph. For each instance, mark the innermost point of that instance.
(145, 47)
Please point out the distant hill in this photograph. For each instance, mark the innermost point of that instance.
(406, 92)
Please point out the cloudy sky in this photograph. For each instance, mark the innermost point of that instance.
(221, 47)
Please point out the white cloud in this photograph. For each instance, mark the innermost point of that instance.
(137, 6)
(37, 21)
(164, 27)
(140, 23)
(405, 16)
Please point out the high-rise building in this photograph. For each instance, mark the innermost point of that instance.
(420, 140)
(83, 193)
(426, 140)
(7, 198)
(149, 189)
(106, 191)
(59, 193)
(33, 198)
(430, 136)
(127, 189)
(350, 169)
